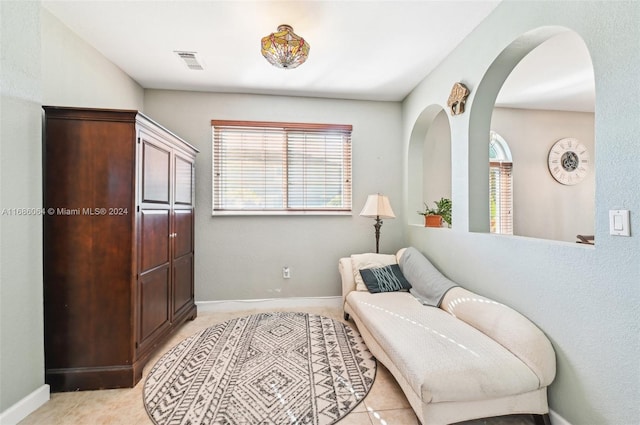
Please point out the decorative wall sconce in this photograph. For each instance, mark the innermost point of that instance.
(458, 98)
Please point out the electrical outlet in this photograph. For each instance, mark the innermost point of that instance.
(286, 272)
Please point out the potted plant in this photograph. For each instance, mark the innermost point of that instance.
(433, 217)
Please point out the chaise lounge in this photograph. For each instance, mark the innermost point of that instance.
(456, 355)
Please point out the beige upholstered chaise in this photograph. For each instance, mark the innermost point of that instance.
(470, 358)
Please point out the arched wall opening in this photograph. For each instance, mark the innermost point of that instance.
(429, 161)
(543, 207)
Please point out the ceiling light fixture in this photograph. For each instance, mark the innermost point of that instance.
(284, 48)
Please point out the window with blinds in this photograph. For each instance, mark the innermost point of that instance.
(268, 167)
(500, 199)
(500, 185)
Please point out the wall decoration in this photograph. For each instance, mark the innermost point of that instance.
(568, 161)
(458, 98)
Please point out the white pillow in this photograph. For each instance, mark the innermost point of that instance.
(367, 261)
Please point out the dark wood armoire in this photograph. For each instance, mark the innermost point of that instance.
(118, 244)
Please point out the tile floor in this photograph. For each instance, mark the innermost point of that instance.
(384, 405)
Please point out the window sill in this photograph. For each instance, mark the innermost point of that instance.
(280, 213)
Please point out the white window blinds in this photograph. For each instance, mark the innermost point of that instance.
(281, 167)
(500, 197)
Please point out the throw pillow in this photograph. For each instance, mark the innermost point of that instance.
(366, 261)
(384, 279)
(428, 285)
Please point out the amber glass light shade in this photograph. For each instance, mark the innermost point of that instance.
(284, 48)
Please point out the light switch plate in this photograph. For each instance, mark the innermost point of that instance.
(619, 222)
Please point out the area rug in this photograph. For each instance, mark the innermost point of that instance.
(269, 368)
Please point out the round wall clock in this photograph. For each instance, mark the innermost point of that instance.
(568, 161)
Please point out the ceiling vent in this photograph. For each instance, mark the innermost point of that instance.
(190, 59)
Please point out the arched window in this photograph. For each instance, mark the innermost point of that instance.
(500, 186)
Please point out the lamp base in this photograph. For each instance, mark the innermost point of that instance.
(377, 226)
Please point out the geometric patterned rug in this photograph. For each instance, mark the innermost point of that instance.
(269, 368)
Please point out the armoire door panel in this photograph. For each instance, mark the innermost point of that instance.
(154, 301)
(154, 238)
(156, 172)
(183, 228)
(184, 181)
(182, 282)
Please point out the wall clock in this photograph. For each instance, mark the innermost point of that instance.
(568, 161)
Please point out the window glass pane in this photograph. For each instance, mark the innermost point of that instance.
(316, 176)
(249, 170)
(272, 168)
(500, 186)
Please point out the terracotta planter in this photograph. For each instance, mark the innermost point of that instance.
(433, 221)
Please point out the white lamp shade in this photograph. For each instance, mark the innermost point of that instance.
(377, 206)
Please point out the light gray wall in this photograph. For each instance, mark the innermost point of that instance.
(542, 207)
(21, 327)
(584, 298)
(76, 74)
(43, 62)
(437, 161)
(242, 257)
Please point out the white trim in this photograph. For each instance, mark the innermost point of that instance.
(295, 302)
(235, 213)
(557, 419)
(25, 407)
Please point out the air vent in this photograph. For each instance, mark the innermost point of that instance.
(190, 59)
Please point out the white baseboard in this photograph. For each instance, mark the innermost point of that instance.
(25, 407)
(294, 302)
(557, 419)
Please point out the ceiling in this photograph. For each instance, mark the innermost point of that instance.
(370, 50)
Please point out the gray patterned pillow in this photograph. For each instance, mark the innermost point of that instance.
(385, 279)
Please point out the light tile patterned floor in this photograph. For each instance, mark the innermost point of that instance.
(384, 405)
